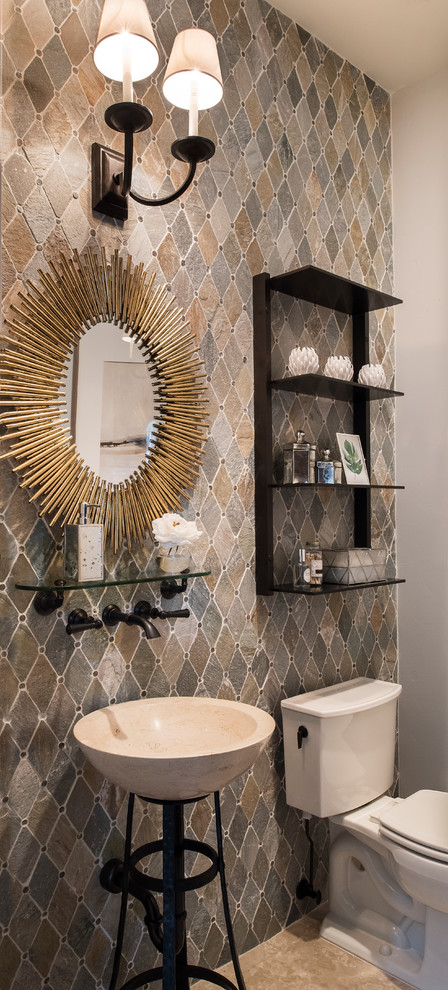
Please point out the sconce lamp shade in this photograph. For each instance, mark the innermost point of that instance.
(194, 64)
(125, 38)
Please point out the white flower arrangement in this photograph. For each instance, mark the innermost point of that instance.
(171, 531)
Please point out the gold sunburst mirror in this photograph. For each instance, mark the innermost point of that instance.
(105, 395)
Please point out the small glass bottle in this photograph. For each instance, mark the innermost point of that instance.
(312, 464)
(315, 564)
(337, 472)
(301, 570)
(325, 470)
(296, 459)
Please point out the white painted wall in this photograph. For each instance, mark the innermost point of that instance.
(420, 202)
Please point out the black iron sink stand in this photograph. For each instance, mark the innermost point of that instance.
(168, 933)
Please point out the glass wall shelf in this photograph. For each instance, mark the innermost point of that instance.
(60, 584)
(49, 594)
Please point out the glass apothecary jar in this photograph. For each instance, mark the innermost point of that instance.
(296, 461)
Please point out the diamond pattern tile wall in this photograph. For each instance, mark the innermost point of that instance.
(301, 175)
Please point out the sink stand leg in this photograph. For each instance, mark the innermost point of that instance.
(225, 899)
(175, 975)
(124, 893)
(170, 939)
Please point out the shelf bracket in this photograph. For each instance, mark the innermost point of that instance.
(47, 601)
(169, 589)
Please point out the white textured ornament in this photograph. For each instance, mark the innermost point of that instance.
(339, 367)
(372, 374)
(303, 361)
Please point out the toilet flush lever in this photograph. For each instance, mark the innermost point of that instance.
(302, 733)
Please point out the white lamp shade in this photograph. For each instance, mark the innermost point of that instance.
(193, 63)
(125, 29)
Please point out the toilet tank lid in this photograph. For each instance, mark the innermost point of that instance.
(344, 699)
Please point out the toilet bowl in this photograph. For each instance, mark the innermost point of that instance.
(388, 902)
(388, 878)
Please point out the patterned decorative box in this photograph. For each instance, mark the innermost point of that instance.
(353, 566)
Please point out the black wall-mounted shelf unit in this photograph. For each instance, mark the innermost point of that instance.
(357, 301)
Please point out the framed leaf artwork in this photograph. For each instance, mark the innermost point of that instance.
(352, 458)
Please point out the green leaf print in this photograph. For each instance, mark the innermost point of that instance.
(351, 458)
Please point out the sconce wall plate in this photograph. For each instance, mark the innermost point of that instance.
(106, 195)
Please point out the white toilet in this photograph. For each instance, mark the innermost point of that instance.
(388, 899)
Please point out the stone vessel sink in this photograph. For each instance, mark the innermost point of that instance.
(174, 749)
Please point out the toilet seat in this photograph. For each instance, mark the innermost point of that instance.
(419, 822)
(400, 840)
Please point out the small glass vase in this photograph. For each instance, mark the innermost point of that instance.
(173, 563)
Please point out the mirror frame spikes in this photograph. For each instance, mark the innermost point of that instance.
(47, 326)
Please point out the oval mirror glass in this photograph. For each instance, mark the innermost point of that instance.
(110, 402)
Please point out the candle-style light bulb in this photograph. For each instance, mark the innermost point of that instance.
(193, 109)
(128, 92)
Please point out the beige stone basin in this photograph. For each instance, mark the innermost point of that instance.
(173, 749)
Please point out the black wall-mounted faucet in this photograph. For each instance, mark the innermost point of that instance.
(112, 615)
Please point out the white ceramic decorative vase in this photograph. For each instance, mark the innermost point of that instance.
(173, 563)
(339, 367)
(372, 374)
(303, 361)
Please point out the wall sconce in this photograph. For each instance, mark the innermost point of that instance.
(126, 51)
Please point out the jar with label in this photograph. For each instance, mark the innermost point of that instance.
(337, 472)
(312, 464)
(301, 571)
(296, 461)
(325, 470)
(315, 564)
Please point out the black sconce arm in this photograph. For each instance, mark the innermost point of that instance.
(126, 176)
(110, 187)
(190, 149)
(167, 199)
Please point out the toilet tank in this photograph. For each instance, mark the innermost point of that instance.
(347, 757)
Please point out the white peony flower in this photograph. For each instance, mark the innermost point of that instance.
(172, 531)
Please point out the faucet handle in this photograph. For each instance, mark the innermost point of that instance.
(112, 615)
(78, 621)
(148, 611)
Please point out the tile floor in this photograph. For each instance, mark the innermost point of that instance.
(298, 958)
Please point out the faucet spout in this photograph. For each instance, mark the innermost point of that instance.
(112, 614)
(150, 630)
